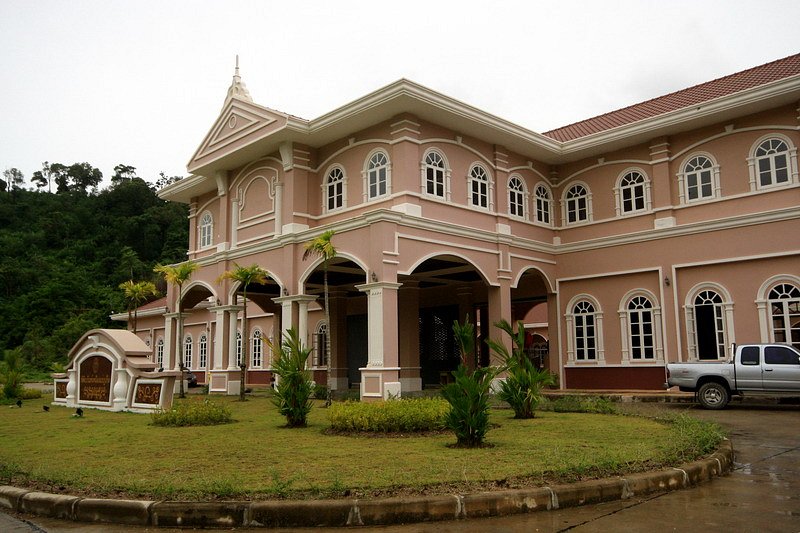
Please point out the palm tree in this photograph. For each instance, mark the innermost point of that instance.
(177, 275)
(245, 276)
(135, 295)
(323, 247)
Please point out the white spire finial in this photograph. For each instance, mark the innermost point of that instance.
(237, 88)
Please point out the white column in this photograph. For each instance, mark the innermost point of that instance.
(234, 221)
(302, 319)
(375, 321)
(219, 340)
(169, 344)
(286, 312)
(278, 207)
(233, 322)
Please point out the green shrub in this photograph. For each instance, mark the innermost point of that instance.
(11, 374)
(292, 395)
(320, 392)
(30, 394)
(581, 404)
(193, 413)
(392, 416)
(469, 397)
(522, 387)
(692, 438)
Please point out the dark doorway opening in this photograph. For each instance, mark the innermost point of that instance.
(438, 349)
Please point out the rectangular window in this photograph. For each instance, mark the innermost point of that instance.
(750, 355)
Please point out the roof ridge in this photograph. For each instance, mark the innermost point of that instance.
(686, 90)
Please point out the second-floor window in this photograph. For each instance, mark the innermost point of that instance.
(378, 175)
(698, 175)
(772, 163)
(632, 193)
(434, 171)
(543, 204)
(516, 197)
(577, 205)
(334, 189)
(478, 187)
(206, 230)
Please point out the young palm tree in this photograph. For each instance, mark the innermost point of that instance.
(245, 276)
(323, 247)
(178, 275)
(135, 295)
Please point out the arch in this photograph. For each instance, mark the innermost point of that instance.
(271, 163)
(637, 308)
(717, 327)
(195, 292)
(766, 316)
(334, 188)
(236, 285)
(242, 194)
(206, 230)
(584, 335)
(435, 173)
(318, 261)
(770, 283)
(452, 253)
(698, 178)
(524, 270)
(543, 199)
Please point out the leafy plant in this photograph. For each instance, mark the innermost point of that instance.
(193, 413)
(11, 374)
(582, 404)
(294, 388)
(393, 416)
(469, 393)
(323, 248)
(136, 293)
(523, 384)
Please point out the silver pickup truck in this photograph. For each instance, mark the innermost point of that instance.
(772, 369)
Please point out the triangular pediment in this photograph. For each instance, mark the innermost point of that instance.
(239, 123)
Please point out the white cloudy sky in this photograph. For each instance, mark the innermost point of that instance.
(140, 82)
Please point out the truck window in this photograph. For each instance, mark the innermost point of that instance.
(778, 355)
(750, 355)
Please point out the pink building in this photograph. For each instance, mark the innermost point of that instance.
(660, 232)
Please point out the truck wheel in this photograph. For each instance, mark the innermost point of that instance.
(713, 395)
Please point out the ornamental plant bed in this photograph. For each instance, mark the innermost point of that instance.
(122, 455)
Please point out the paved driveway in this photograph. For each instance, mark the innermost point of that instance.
(761, 495)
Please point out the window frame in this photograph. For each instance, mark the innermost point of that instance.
(543, 204)
(639, 307)
(206, 228)
(522, 204)
(685, 173)
(444, 169)
(370, 170)
(257, 349)
(239, 349)
(724, 332)
(202, 352)
(788, 299)
(576, 318)
(334, 190)
(160, 352)
(320, 340)
(479, 177)
(638, 190)
(568, 203)
(188, 345)
(754, 163)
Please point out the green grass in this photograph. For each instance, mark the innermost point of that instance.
(256, 457)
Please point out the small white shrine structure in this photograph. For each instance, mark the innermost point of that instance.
(110, 369)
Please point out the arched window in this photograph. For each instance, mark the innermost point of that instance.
(202, 348)
(709, 325)
(641, 328)
(187, 352)
(321, 345)
(578, 207)
(632, 193)
(478, 187)
(335, 189)
(160, 353)
(784, 311)
(238, 348)
(543, 204)
(772, 163)
(516, 197)
(434, 175)
(206, 230)
(699, 179)
(377, 175)
(258, 349)
(585, 334)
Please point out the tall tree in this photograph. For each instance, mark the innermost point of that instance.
(323, 248)
(84, 176)
(135, 294)
(123, 172)
(177, 275)
(14, 178)
(245, 276)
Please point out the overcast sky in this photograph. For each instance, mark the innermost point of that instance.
(141, 82)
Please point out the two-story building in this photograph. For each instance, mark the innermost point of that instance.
(660, 232)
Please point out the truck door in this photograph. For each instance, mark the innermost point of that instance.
(748, 369)
(781, 369)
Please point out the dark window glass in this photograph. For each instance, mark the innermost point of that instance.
(750, 355)
(778, 355)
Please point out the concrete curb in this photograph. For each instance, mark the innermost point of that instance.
(387, 511)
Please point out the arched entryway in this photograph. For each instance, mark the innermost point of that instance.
(532, 301)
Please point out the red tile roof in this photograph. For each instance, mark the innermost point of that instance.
(746, 79)
(161, 302)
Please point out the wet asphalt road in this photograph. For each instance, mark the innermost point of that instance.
(762, 494)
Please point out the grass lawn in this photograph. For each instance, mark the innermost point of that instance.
(122, 455)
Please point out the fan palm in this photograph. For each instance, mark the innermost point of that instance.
(245, 276)
(136, 293)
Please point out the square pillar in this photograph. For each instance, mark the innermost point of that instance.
(499, 308)
(381, 377)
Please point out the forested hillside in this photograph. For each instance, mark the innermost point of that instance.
(63, 256)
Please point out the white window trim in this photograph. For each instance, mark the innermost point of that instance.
(253, 348)
(683, 190)
(202, 342)
(762, 303)
(188, 349)
(648, 203)
(598, 326)
(489, 188)
(320, 325)
(625, 331)
(159, 359)
(424, 179)
(589, 209)
(794, 178)
(365, 175)
(324, 187)
(728, 333)
(523, 192)
(201, 227)
(237, 357)
(550, 203)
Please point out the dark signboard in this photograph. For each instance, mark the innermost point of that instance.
(94, 384)
(147, 393)
(61, 389)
